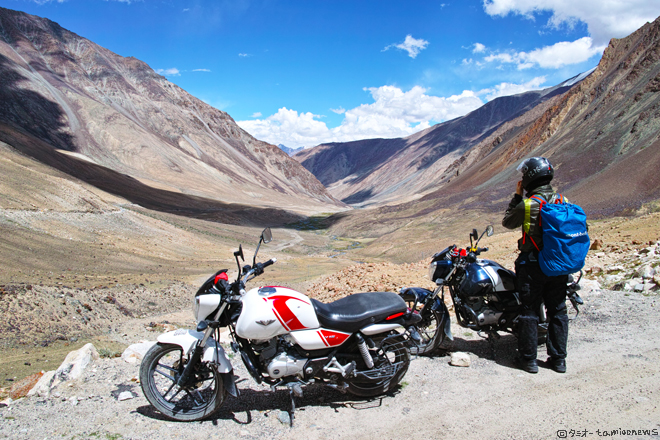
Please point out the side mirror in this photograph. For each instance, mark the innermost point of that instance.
(266, 236)
(474, 234)
(239, 253)
(489, 230)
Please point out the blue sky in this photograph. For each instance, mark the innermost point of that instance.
(304, 72)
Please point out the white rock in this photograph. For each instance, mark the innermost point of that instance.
(614, 268)
(42, 387)
(589, 286)
(125, 395)
(460, 359)
(74, 364)
(612, 279)
(136, 352)
(639, 287)
(645, 271)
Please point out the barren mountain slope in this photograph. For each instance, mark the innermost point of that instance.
(377, 171)
(602, 136)
(116, 113)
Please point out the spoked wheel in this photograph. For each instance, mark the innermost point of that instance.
(390, 365)
(159, 372)
(431, 333)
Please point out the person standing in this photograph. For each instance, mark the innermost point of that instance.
(535, 287)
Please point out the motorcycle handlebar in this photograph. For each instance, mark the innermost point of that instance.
(269, 263)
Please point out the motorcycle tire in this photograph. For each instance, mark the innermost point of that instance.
(159, 371)
(394, 354)
(431, 331)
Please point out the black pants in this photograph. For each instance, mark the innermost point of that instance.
(536, 287)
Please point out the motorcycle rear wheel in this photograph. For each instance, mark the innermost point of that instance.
(394, 355)
(159, 371)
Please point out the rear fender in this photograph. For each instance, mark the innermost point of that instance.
(187, 340)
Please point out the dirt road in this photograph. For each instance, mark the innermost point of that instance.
(612, 383)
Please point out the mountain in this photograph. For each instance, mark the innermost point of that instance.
(113, 122)
(602, 135)
(290, 151)
(377, 171)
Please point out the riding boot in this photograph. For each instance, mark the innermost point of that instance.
(528, 335)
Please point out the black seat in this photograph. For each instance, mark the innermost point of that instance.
(356, 311)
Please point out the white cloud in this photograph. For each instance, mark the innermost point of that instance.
(556, 56)
(201, 70)
(478, 48)
(256, 115)
(563, 53)
(173, 71)
(604, 19)
(411, 45)
(339, 111)
(394, 113)
(506, 89)
(243, 55)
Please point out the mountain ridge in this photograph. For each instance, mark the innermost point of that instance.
(118, 113)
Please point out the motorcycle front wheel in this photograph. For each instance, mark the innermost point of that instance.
(431, 333)
(160, 369)
(390, 365)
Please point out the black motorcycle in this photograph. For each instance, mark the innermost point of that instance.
(483, 293)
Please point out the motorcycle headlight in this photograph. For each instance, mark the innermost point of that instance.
(196, 303)
(432, 267)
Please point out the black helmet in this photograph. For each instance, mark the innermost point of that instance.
(536, 171)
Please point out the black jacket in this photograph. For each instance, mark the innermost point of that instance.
(515, 217)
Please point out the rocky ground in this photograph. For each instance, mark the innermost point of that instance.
(612, 382)
(612, 386)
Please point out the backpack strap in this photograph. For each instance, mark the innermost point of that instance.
(528, 217)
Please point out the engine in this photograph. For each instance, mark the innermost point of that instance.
(483, 313)
(279, 359)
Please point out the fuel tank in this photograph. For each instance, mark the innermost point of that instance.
(486, 276)
(272, 310)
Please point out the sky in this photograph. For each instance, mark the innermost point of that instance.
(305, 72)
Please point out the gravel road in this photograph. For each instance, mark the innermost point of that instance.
(612, 387)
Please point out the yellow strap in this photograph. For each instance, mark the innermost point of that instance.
(528, 215)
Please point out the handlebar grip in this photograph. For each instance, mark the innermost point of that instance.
(269, 263)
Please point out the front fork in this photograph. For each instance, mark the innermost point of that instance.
(187, 374)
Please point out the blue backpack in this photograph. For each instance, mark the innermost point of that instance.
(565, 236)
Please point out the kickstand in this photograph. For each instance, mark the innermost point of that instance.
(492, 336)
(294, 390)
(293, 408)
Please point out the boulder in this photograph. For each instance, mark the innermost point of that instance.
(596, 245)
(136, 352)
(23, 386)
(460, 359)
(645, 271)
(42, 387)
(589, 286)
(74, 364)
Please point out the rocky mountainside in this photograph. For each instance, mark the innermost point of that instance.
(376, 171)
(602, 136)
(115, 123)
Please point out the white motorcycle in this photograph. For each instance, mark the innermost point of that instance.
(356, 344)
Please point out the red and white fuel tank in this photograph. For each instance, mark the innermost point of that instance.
(272, 310)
